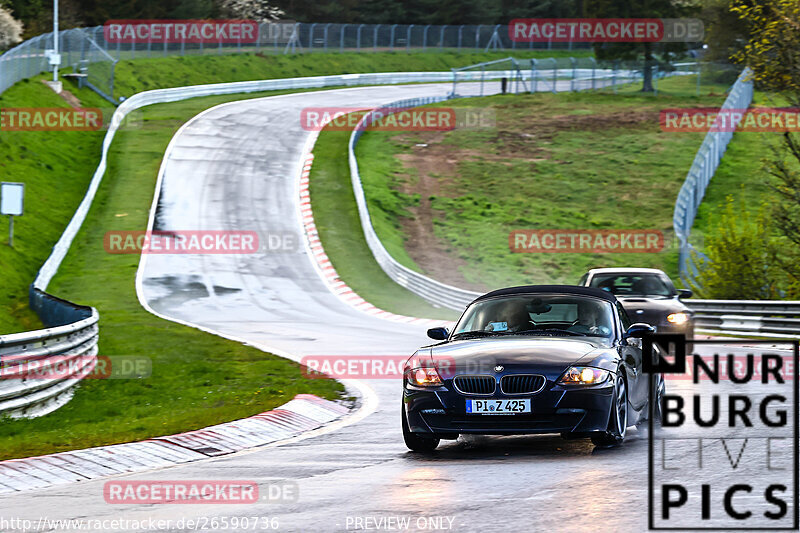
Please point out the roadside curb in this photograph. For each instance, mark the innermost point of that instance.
(323, 263)
(303, 413)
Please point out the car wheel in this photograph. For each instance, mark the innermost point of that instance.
(618, 419)
(661, 388)
(415, 442)
(658, 412)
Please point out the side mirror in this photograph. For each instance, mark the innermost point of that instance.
(639, 330)
(684, 293)
(438, 334)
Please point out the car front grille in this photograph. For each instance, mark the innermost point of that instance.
(475, 384)
(522, 384)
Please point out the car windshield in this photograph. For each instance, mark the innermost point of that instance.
(539, 314)
(632, 284)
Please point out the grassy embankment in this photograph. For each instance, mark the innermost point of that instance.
(592, 160)
(198, 379)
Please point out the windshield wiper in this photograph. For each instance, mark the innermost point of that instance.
(478, 333)
(549, 332)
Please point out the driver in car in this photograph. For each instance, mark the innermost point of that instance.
(589, 321)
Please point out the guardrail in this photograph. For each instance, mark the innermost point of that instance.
(753, 318)
(703, 167)
(431, 290)
(73, 335)
(89, 44)
(72, 341)
(159, 96)
(39, 369)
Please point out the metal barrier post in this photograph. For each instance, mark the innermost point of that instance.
(375, 38)
(698, 68)
(408, 38)
(341, 38)
(391, 37)
(574, 72)
(425, 37)
(358, 37)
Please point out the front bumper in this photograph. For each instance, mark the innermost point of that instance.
(686, 329)
(555, 409)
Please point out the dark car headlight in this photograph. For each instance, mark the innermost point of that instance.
(584, 375)
(678, 318)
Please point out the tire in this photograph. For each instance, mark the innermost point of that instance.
(658, 395)
(661, 388)
(618, 418)
(414, 442)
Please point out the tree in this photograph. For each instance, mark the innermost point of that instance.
(639, 9)
(10, 29)
(773, 54)
(725, 32)
(258, 10)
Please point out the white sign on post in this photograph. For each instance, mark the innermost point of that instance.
(11, 196)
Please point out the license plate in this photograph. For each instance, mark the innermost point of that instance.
(498, 407)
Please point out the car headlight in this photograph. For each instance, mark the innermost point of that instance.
(422, 372)
(678, 318)
(584, 375)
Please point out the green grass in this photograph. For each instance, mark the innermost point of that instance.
(56, 167)
(336, 218)
(132, 76)
(198, 379)
(572, 161)
(741, 174)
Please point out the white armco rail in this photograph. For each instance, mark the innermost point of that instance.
(68, 349)
(776, 319)
(41, 368)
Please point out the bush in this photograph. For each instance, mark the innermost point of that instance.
(743, 257)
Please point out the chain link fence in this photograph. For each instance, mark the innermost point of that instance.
(87, 53)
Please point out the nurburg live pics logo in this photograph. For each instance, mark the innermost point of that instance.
(725, 456)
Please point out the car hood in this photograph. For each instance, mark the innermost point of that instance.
(547, 355)
(653, 309)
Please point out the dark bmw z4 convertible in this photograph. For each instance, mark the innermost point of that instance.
(537, 359)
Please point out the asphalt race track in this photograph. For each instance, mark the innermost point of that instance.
(236, 167)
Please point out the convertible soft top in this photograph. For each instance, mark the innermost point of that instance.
(550, 289)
